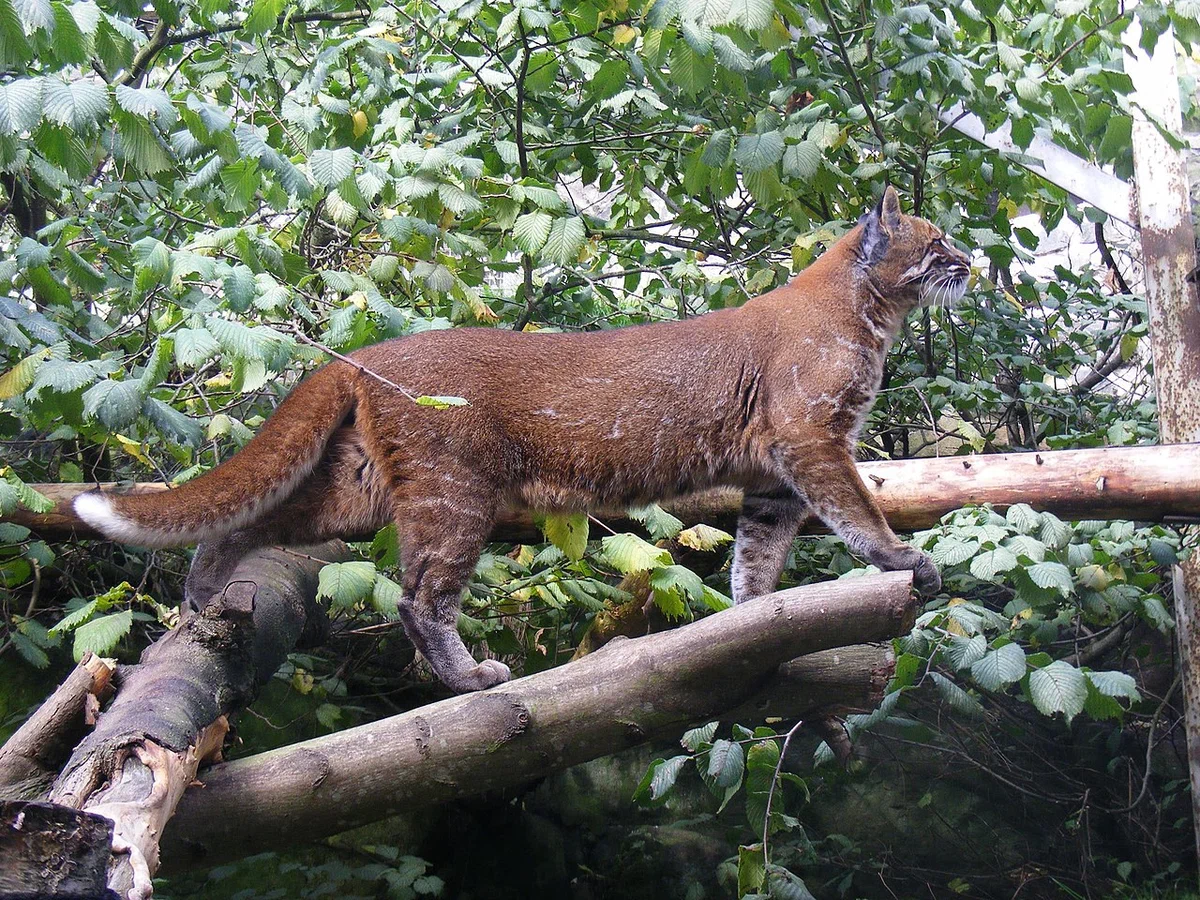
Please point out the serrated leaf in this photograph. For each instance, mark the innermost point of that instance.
(346, 583)
(569, 533)
(1055, 532)
(757, 152)
(988, 564)
(331, 167)
(239, 288)
(952, 551)
(99, 636)
(629, 553)
(1115, 684)
(1023, 517)
(694, 737)
(17, 379)
(1026, 545)
(1052, 575)
(194, 347)
(1058, 688)
(78, 105)
(531, 230)
(802, 160)
(962, 652)
(564, 241)
(115, 403)
(956, 698)
(703, 537)
(180, 428)
(660, 523)
(21, 104)
(753, 15)
(726, 763)
(385, 597)
(665, 775)
(1000, 667)
(716, 151)
(147, 103)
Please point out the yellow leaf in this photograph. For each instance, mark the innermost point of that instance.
(360, 123)
(20, 376)
(133, 448)
(623, 34)
(219, 381)
(704, 537)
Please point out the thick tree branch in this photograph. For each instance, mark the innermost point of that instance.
(1150, 483)
(627, 693)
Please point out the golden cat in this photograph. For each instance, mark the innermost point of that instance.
(769, 397)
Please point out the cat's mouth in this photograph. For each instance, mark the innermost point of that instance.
(944, 289)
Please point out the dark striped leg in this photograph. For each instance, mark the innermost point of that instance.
(441, 541)
(765, 530)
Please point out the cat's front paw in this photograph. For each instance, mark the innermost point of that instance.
(488, 673)
(926, 578)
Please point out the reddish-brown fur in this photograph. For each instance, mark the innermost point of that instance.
(769, 397)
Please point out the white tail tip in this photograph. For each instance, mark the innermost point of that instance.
(97, 510)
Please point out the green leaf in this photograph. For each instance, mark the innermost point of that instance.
(956, 698)
(660, 523)
(346, 583)
(569, 533)
(802, 160)
(147, 103)
(441, 402)
(629, 553)
(531, 230)
(756, 152)
(963, 652)
(692, 71)
(752, 869)
(385, 597)
(115, 403)
(239, 288)
(1000, 667)
(17, 379)
(564, 241)
(101, 635)
(716, 151)
(78, 105)
(665, 774)
(1115, 684)
(726, 763)
(988, 564)
(332, 167)
(21, 104)
(1058, 688)
(35, 15)
(1055, 532)
(194, 347)
(753, 15)
(1023, 517)
(1052, 575)
(180, 428)
(694, 737)
(950, 551)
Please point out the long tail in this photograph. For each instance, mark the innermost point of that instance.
(243, 488)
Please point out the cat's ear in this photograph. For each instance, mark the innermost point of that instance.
(875, 235)
(889, 208)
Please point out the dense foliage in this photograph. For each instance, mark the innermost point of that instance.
(203, 200)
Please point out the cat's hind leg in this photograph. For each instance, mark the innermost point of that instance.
(768, 523)
(442, 532)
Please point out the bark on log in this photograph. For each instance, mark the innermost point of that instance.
(31, 757)
(630, 691)
(169, 711)
(51, 852)
(1158, 483)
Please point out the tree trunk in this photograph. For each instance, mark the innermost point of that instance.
(630, 691)
(1139, 483)
(169, 711)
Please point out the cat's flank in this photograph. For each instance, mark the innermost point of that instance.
(769, 397)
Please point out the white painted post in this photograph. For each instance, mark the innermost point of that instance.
(1169, 251)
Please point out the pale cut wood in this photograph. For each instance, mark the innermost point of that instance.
(1149, 483)
(628, 692)
(31, 757)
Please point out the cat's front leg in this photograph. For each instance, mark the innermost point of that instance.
(768, 523)
(828, 479)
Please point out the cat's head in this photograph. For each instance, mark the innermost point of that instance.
(910, 258)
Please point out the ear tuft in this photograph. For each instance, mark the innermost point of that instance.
(889, 208)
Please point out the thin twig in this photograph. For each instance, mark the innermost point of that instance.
(771, 790)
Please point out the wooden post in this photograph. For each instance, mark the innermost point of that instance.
(1169, 252)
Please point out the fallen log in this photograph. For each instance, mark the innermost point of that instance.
(1149, 483)
(628, 692)
(170, 709)
(31, 757)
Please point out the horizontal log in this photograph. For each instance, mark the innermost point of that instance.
(628, 692)
(1149, 483)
